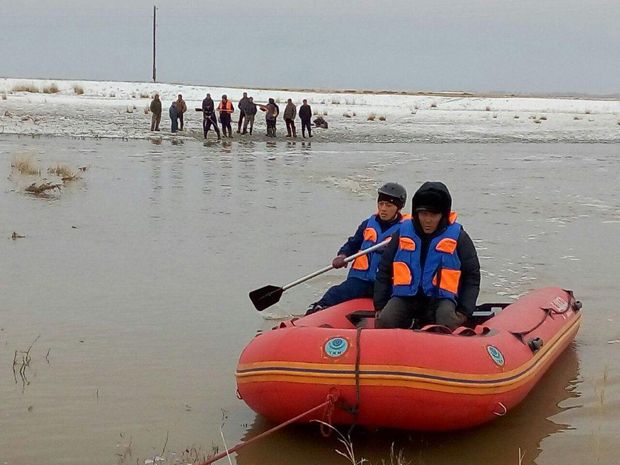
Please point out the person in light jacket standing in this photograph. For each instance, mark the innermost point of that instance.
(290, 112)
(181, 109)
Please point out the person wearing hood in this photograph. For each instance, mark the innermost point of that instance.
(174, 115)
(429, 272)
(378, 227)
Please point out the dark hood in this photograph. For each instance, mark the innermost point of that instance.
(433, 196)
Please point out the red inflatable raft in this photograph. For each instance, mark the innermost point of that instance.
(428, 379)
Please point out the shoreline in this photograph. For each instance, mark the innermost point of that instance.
(119, 110)
(327, 90)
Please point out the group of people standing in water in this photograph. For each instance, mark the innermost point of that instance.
(245, 122)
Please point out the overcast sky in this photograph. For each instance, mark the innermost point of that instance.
(524, 46)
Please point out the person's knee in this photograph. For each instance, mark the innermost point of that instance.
(394, 315)
(386, 320)
(447, 315)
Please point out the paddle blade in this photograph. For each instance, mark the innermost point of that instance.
(265, 296)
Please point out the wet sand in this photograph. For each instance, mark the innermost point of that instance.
(132, 282)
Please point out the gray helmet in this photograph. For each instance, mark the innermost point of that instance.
(394, 191)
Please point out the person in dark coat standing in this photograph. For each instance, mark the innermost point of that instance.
(208, 116)
(429, 272)
(305, 114)
(250, 114)
(241, 106)
(155, 113)
(290, 112)
(377, 228)
(174, 117)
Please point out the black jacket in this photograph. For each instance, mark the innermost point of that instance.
(305, 112)
(208, 106)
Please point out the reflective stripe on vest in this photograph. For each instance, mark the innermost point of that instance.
(442, 268)
(365, 267)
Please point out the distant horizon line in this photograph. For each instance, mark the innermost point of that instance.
(359, 91)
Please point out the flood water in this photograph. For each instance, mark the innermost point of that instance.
(129, 291)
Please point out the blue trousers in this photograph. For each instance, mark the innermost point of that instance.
(351, 288)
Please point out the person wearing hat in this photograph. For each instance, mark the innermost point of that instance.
(429, 272)
(378, 227)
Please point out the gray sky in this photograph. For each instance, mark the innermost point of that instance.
(524, 46)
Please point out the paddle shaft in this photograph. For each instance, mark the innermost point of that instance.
(330, 267)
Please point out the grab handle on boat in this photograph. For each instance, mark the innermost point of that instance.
(266, 296)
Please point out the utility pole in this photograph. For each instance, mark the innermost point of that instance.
(154, 27)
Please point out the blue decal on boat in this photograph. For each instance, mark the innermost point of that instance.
(336, 346)
(496, 355)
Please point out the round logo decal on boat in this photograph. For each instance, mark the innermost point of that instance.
(336, 346)
(496, 355)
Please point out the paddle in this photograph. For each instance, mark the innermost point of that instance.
(266, 296)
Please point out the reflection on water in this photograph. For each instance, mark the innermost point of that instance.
(136, 279)
(498, 442)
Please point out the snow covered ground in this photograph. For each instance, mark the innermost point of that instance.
(119, 110)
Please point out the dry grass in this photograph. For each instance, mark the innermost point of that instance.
(51, 89)
(24, 164)
(79, 90)
(396, 458)
(64, 172)
(41, 187)
(26, 88)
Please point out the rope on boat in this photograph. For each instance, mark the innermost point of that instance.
(353, 410)
(329, 403)
(549, 311)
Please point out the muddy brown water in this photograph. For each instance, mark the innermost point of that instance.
(132, 283)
